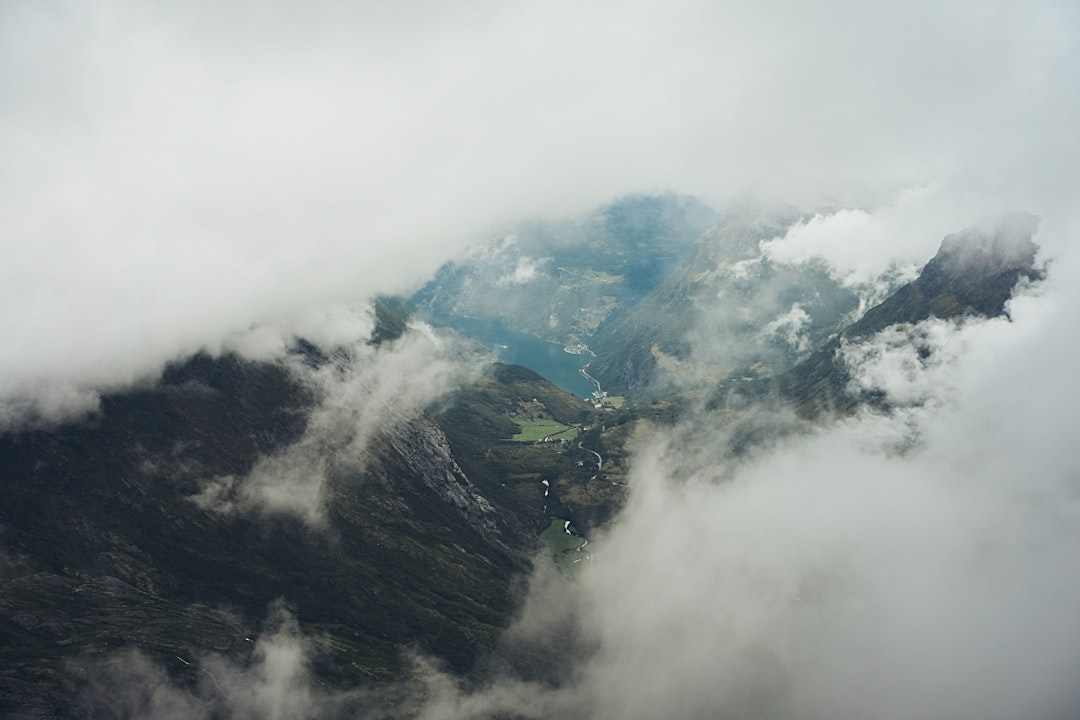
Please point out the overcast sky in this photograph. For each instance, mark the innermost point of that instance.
(175, 173)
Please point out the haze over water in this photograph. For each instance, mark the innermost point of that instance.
(546, 358)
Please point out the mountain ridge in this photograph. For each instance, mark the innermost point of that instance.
(104, 547)
(973, 273)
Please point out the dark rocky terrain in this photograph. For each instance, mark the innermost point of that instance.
(425, 544)
(104, 549)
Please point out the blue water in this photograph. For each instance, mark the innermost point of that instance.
(514, 348)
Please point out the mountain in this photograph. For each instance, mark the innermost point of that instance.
(561, 281)
(145, 527)
(648, 283)
(108, 543)
(973, 273)
(729, 311)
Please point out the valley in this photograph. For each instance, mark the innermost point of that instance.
(173, 521)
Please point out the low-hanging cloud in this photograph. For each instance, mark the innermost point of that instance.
(526, 270)
(910, 563)
(176, 174)
(903, 361)
(790, 328)
(189, 175)
(273, 680)
(914, 563)
(362, 391)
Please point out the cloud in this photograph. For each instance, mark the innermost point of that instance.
(180, 173)
(273, 680)
(790, 328)
(526, 270)
(904, 361)
(914, 563)
(186, 175)
(362, 392)
(874, 248)
(838, 238)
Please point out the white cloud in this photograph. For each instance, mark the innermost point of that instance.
(790, 327)
(872, 249)
(274, 680)
(904, 361)
(911, 564)
(526, 270)
(178, 173)
(365, 391)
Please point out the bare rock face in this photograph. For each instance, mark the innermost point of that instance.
(425, 448)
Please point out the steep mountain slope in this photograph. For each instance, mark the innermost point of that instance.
(563, 470)
(105, 545)
(129, 531)
(973, 273)
(729, 308)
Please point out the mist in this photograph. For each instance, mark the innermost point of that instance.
(915, 562)
(189, 176)
(363, 390)
(909, 563)
(271, 679)
(178, 174)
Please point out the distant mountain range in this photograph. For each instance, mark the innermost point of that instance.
(715, 309)
(108, 542)
(563, 281)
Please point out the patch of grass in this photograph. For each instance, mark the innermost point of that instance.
(538, 429)
(562, 545)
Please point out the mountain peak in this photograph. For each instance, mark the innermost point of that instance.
(985, 250)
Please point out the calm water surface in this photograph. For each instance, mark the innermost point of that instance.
(546, 358)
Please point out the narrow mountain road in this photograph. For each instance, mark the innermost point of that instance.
(585, 371)
(599, 459)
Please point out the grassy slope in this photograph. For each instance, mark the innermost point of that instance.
(534, 430)
(481, 429)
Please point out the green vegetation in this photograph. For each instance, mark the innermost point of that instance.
(564, 547)
(97, 523)
(99, 520)
(538, 429)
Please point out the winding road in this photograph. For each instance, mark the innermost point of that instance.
(599, 459)
(585, 371)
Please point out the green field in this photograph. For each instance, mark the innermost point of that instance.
(562, 545)
(534, 430)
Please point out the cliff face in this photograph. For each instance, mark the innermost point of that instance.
(425, 448)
